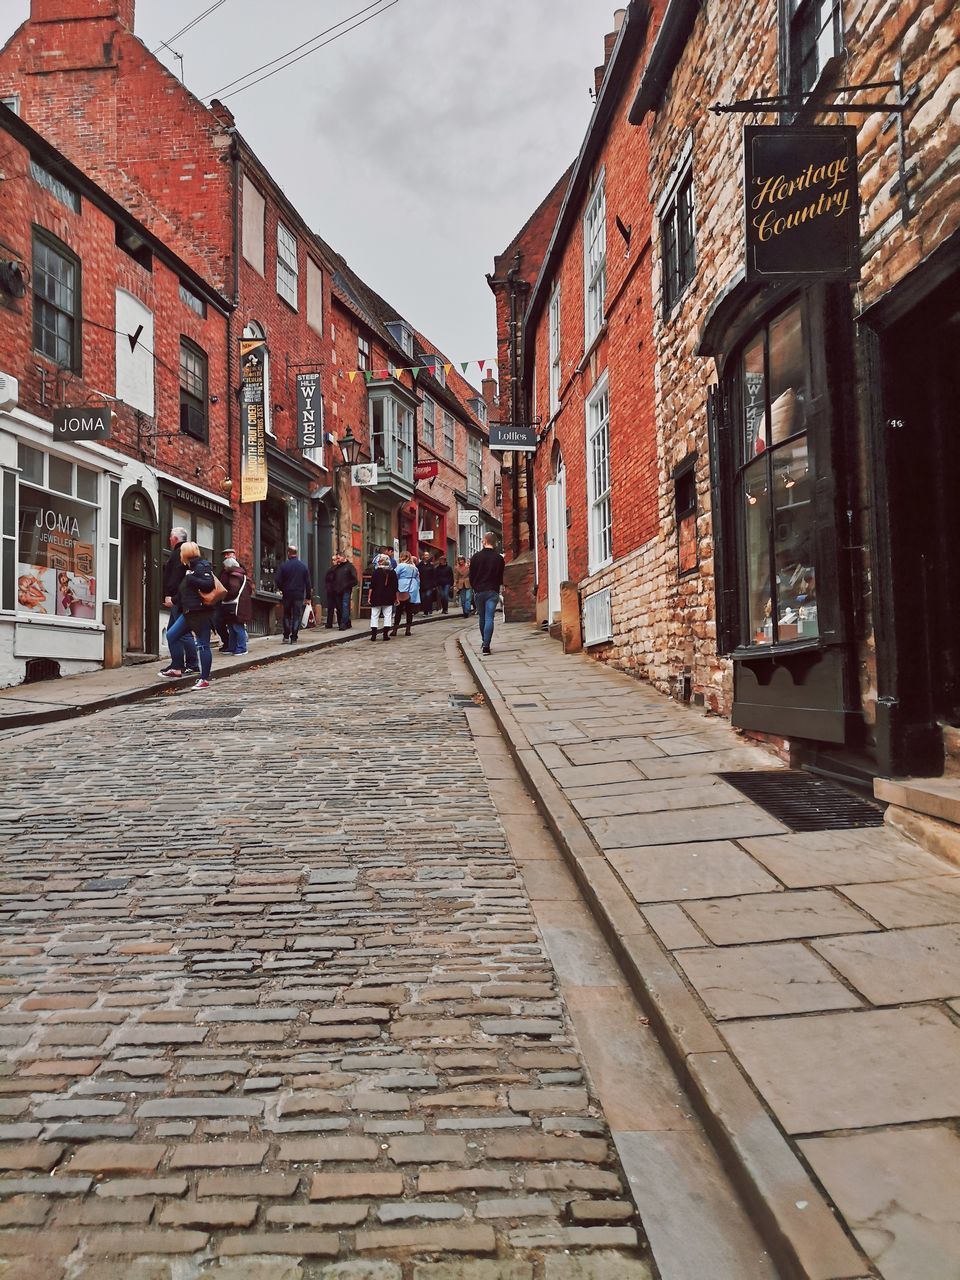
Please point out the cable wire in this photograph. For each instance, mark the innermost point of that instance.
(165, 44)
(380, 8)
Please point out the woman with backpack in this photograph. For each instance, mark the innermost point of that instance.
(196, 615)
(237, 605)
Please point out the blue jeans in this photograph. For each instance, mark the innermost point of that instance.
(486, 602)
(466, 601)
(186, 649)
(292, 613)
(443, 597)
(176, 639)
(238, 637)
(345, 609)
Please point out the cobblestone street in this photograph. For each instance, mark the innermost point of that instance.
(275, 1002)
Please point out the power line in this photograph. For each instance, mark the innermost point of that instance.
(378, 6)
(165, 44)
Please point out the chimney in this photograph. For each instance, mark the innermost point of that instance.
(609, 41)
(489, 389)
(77, 10)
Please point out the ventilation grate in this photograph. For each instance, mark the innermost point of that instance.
(207, 713)
(41, 669)
(805, 803)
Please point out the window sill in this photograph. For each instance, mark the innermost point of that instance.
(589, 350)
(287, 303)
(751, 653)
(669, 312)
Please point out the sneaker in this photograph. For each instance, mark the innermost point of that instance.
(293, 639)
(191, 671)
(485, 650)
(171, 673)
(202, 684)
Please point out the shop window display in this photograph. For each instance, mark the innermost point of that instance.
(56, 556)
(775, 487)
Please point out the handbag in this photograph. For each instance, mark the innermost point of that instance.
(215, 594)
(403, 597)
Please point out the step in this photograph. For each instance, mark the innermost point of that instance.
(951, 751)
(936, 797)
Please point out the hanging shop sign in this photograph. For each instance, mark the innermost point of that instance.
(425, 470)
(253, 443)
(364, 473)
(802, 203)
(81, 424)
(309, 411)
(513, 439)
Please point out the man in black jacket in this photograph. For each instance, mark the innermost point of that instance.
(173, 574)
(345, 579)
(443, 581)
(293, 582)
(428, 581)
(486, 579)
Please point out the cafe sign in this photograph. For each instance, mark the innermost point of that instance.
(513, 439)
(801, 202)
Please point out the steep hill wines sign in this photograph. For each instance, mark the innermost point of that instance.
(801, 202)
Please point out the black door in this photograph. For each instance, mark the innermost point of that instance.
(920, 362)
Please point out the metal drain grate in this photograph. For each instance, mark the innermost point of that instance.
(219, 712)
(463, 700)
(803, 802)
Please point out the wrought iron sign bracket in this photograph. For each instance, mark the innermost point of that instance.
(777, 102)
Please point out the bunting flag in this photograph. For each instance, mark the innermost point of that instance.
(352, 374)
(432, 365)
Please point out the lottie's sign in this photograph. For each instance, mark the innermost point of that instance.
(801, 202)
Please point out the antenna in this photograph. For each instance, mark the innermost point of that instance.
(179, 56)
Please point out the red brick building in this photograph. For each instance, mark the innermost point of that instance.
(97, 317)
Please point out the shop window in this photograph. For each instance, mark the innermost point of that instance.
(685, 506)
(377, 530)
(363, 352)
(555, 351)
(56, 541)
(811, 35)
(193, 390)
(595, 261)
(449, 435)
(113, 541)
(599, 507)
(56, 301)
(61, 190)
(677, 240)
(763, 443)
(8, 540)
(287, 270)
(429, 422)
(474, 466)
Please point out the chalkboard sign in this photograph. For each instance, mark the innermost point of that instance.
(365, 590)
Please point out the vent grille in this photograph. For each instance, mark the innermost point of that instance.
(805, 803)
(597, 617)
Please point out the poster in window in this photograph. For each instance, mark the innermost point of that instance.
(253, 444)
(56, 556)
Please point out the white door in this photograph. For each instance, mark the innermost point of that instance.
(556, 494)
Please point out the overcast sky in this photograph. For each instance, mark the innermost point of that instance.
(418, 144)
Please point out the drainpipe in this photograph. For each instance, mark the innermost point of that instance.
(516, 410)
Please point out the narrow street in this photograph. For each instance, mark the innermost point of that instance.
(274, 994)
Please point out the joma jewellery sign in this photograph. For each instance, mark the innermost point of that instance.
(802, 206)
(81, 424)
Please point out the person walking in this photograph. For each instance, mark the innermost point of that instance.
(383, 595)
(408, 591)
(221, 615)
(486, 579)
(344, 582)
(428, 579)
(330, 597)
(237, 606)
(183, 661)
(461, 585)
(195, 615)
(293, 582)
(443, 579)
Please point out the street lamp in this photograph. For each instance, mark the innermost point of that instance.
(349, 449)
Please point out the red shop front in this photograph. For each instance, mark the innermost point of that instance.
(431, 524)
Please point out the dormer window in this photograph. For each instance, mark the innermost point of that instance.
(402, 336)
(479, 407)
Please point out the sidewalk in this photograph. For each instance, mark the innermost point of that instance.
(804, 986)
(64, 699)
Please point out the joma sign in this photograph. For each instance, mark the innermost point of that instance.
(81, 424)
(801, 202)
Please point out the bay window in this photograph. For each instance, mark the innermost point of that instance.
(391, 435)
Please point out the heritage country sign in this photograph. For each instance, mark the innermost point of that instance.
(253, 443)
(81, 424)
(801, 202)
(513, 439)
(309, 411)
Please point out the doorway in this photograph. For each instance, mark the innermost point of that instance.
(556, 495)
(920, 357)
(139, 577)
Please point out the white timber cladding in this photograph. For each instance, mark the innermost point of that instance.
(287, 269)
(555, 350)
(252, 223)
(599, 508)
(315, 296)
(598, 617)
(594, 261)
(135, 362)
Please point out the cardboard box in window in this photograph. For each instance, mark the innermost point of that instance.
(788, 631)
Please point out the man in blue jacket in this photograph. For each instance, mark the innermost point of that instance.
(293, 582)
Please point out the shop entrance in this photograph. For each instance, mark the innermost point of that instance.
(139, 576)
(920, 643)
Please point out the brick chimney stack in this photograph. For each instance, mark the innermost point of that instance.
(489, 392)
(77, 10)
(609, 41)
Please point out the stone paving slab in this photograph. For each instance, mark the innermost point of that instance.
(790, 942)
(293, 1016)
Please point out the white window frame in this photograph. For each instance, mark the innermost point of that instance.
(595, 261)
(439, 372)
(474, 465)
(363, 352)
(288, 272)
(449, 435)
(398, 420)
(554, 331)
(12, 102)
(599, 504)
(429, 422)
